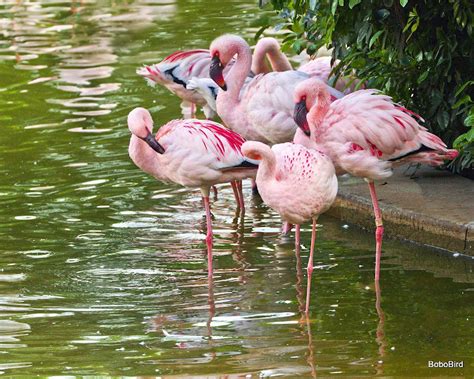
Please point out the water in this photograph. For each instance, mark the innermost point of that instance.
(103, 270)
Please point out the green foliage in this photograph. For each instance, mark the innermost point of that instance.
(421, 52)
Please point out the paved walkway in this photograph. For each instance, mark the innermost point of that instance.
(434, 208)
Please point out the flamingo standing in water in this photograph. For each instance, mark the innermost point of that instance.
(364, 133)
(192, 153)
(263, 110)
(298, 183)
(175, 71)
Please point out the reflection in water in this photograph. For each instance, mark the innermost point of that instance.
(380, 328)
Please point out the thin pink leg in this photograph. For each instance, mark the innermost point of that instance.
(378, 230)
(297, 236)
(310, 265)
(241, 194)
(208, 236)
(193, 110)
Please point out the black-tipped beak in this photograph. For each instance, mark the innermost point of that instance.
(216, 72)
(299, 116)
(153, 143)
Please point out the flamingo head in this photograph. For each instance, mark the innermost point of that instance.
(140, 125)
(222, 50)
(307, 94)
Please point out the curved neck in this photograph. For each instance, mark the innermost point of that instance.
(278, 60)
(269, 48)
(144, 157)
(238, 73)
(316, 115)
(267, 165)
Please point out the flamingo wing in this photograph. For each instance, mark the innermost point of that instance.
(216, 147)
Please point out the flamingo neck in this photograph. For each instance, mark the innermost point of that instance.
(145, 158)
(316, 115)
(269, 48)
(238, 73)
(278, 60)
(267, 165)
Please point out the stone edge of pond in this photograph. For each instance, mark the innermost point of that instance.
(405, 224)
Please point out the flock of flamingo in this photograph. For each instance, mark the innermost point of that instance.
(287, 130)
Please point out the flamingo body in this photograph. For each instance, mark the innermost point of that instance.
(365, 133)
(198, 153)
(298, 183)
(192, 153)
(263, 111)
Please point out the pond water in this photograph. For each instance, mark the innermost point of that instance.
(103, 270)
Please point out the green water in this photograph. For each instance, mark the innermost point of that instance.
(103, 270)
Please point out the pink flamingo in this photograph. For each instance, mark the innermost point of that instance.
(192, 153)
(174, 73)
(296, 182)
(263, 110)
(364, 133)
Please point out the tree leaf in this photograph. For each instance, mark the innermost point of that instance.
(374, 38)
(403, 3)
(353, 3)
(423, 77)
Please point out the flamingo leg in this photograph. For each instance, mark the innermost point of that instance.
(209, 235)
(193, 110)
(310, 265)
(297, 236)
(378, 231)
(299, 271)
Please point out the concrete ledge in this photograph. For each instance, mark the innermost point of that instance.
(436, 208)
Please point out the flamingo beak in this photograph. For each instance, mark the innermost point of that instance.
(153, 143)
(299, 115)
(216, 72)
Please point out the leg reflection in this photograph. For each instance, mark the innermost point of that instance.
(380, 333)
(300, 295)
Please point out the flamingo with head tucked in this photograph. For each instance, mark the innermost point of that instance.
(263, 110)
(192, 153)
(298, 183)
(174, 73)
(364, 133)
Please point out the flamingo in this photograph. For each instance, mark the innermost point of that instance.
(186, 74)
(263, 110)
(296, 182)
(193, 153)
(175, 71)
(364, 133)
